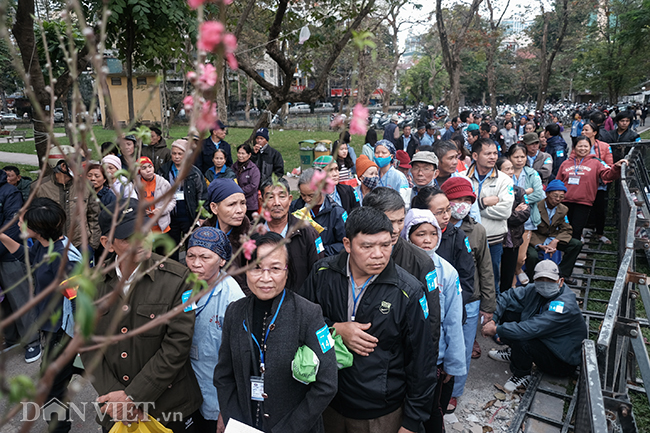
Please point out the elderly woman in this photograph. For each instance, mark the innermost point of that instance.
(97, 178)
(260, 376)
(208, 251)
(368, 173)
(120, 185)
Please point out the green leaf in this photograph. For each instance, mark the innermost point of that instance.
(85, 313)
(21, 388)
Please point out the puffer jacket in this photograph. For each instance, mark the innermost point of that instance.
(67, 195)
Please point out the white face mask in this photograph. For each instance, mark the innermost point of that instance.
(459, 210)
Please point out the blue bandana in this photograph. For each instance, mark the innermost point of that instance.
(213, 239)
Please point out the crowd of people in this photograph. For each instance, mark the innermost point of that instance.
(353, 308)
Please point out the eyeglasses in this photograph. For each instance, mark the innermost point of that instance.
(444, 211)
(274, 272)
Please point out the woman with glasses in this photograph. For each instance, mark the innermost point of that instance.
(260, 379)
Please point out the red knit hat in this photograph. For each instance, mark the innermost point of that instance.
(457, 187)
(403, 158)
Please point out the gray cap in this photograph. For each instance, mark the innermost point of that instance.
(547, 269)
(424, 156)
(394, 118)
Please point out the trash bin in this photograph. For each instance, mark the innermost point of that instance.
(322, 148)
(306, 154)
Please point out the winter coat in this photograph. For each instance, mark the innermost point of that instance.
(248, 178)
(399, 372)
(445, 278)
(484, 288)
(494, 218)
(603, 152)
(153, 366)
(543, 164)
(10, 203)
(412, 144)
(532, 180)
(269, 161)
(515, 236)
(589, 170)
(557, 148)
(332, 218)
(24, 186)
(389, 133)
(67, 195)
(613, 137)
(158, 154)
(194, 188)
(559, 228)
(305, 248)
(225, 173)
(204, 160)
(455, 248)
(291, 406)
(106, 197)
(556, 321)
(162, 186)
(349, 199)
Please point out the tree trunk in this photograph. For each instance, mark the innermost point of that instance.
(454, 90)
(129, 70)
(249, 95)
(361, 82)
(491, 81)
(263, 120)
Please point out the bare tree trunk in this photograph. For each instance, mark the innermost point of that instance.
(361, 82)
(491, 82)
(249, 95)
(129, 70)
(546, 58)
(263, 120)
(454, 90)
(222, 106)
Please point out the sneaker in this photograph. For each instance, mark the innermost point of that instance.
(604, 240)
(500, 354)
(33, 354)
(517, 381)
(523, 278)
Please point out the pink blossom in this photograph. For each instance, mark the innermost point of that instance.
(329, 187)
(210, 35)
(267, 215)
(337, 121)
(191, 76)
(194, 4)
(249, 247)
(359, 122)
(230, 42)
(207, 117)
(188, 102)
(318, 177)
(232, 61)
(227, 2)
(261, 229)
(207, 77)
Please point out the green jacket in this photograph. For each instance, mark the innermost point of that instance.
(153, 366)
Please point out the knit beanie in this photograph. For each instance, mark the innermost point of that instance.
(457, 187)
(364, 163)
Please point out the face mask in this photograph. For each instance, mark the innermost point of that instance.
(546, 289)
(370, 182)
(459, 210)
(383, 162)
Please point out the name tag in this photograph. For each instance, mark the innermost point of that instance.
(431, 280)
(425, 306)
(324, 339)
(319, 245)
(574, 180)
(257, 388)
(344, 216)
(180, 195)
(557, 306)
(187, 295)
(559, 153)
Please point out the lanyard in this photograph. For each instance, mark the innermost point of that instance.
(268, 328)
(576, 165)
(480, 182)
(356, 298)
(199, 311)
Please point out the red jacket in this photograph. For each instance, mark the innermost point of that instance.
(588, 170)
(602, 151)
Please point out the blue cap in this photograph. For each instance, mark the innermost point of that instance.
(556, 185)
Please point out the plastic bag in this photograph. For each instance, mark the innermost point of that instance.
(344, 358)
(305, 364)
(151, 426)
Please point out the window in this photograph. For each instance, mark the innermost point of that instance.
(261, 72)
(141, 81)
(116, 81)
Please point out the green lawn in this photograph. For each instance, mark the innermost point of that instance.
(645, 135)
(285, 141)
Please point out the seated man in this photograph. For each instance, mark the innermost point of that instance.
(554, 233)
(541, 323)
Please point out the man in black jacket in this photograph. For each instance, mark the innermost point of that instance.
(406, 255)
(381, 313)
(267, 159)
(215, 141)
(407, 141)
(304, 245)
(622, 133)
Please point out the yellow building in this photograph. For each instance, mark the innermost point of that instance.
(145, 99)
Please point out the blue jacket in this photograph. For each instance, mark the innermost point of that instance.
(394, 179)
(204, 161)
(206, 341)
(557, 321)
(557, 148)
(332, 218)
(534, 181)
(11, 200)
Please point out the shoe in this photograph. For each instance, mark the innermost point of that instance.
(517, 381)
(571, 281)
(451, 407)
(523, 278)
(500, 354)
(33, 354)
(604, 240)
(476, 350)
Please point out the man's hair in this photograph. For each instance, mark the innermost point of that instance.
(368, 221)
(384, 199)
(485, 127)
(307, 175)
(45, 217)
(156, 130)
(624, 115)
(464, 115)
(553, 129)
(424, 148)
(246, 147)
(441, 148)
(421, 201)
(13, 168)
(455, 119)
(269, 182)
(598, 117)
(276, 240)
(481, 143)
(474, 133)
(110, 148)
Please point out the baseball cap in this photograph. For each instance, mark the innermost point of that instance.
(530, 138)
(424, 156)
(547, 269)
(125, 225)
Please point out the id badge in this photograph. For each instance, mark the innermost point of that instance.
(574, 180)
(257, 388)
(180, 195)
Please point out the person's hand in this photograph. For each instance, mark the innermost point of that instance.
(120, 407)
(404, 430)
(530, 191)
(447, 376)
(221, 427)
(489, 329)
(521, 207)
(490, 201)
(485, 317)
(620, 162)
(355, 338)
